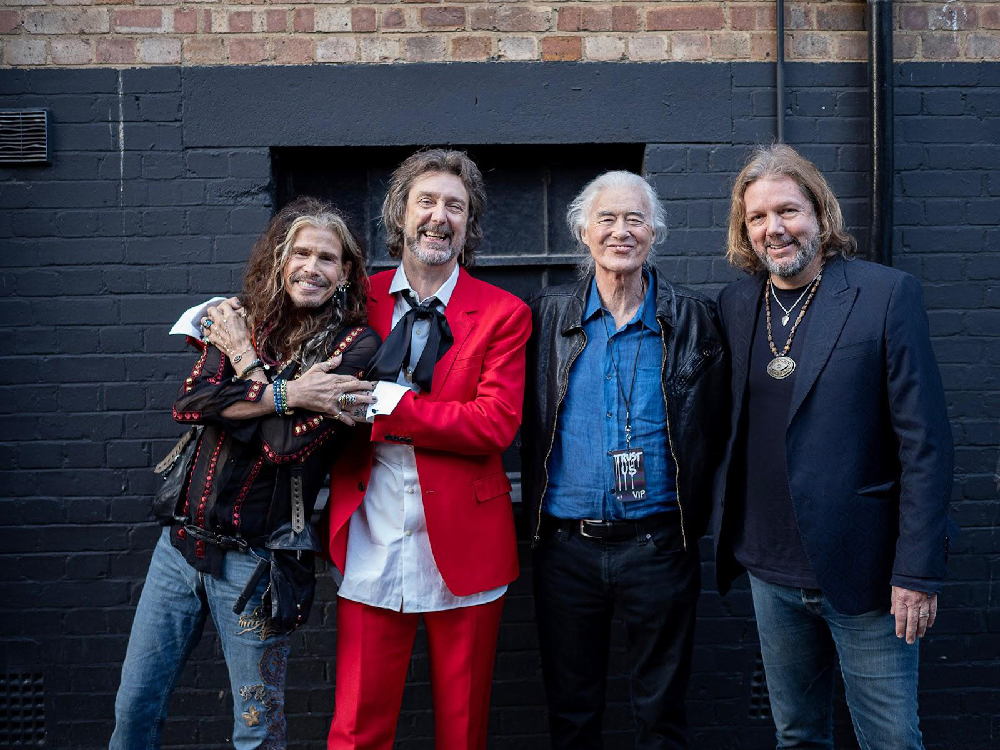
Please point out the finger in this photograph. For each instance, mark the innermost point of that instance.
(912, 620)
(234, 302)
(335, 360)
(922, 619)
(361, 385)
(899, 612)
(933, 610)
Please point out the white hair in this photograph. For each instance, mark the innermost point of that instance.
(579, 210)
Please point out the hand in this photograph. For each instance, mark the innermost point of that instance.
(319, 390)
(915, 611)
(226, 328)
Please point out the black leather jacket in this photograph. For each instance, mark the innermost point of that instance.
(695, 390)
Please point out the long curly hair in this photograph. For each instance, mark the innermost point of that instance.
(449, 161)
(279, 329)
(779, 160)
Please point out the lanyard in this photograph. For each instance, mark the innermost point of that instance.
(635, 368)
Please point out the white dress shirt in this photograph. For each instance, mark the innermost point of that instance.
(389, 559)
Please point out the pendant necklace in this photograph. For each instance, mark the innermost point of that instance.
(788, 310)
(782, 365)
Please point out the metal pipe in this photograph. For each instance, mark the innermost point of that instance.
(882, 173)
(779, 70)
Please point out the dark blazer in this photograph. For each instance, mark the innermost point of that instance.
(868, 444)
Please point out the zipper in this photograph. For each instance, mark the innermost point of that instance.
(552, 443)
(670, 439)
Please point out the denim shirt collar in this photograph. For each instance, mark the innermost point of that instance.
(647, 309)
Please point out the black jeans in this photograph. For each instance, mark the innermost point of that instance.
(653, 583)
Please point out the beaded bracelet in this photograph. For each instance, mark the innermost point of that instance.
(280, 387)
(279, 408)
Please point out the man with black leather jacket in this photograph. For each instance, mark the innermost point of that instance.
(625, 406)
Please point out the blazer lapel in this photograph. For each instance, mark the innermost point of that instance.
(829, 308)
(380, 311)
(740, 330)
(460, 312)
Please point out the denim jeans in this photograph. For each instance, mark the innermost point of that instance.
(175, 601)
(654, 584)
(801, 637)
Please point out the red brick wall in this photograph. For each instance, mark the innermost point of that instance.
(165, 32)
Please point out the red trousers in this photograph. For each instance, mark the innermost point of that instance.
(373, 655)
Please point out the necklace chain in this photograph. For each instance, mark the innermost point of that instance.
(813, 286)
(788, 310)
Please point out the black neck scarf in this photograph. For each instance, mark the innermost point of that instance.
(394, 353)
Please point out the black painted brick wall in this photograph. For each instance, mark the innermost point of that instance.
(102, 250)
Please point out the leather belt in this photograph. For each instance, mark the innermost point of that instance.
(219, 540)
(592, 528)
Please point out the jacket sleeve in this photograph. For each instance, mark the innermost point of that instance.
(487, 423)
(920, 421)
(292, 438)
(210, 389)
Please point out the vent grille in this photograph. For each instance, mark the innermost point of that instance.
(24, 136)
(22, 710)
(760, 701)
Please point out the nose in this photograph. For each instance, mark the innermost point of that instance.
(620, 228)
(438, 213)
(774, 224)
(310, 263)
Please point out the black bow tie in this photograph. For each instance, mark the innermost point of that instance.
(394, 353)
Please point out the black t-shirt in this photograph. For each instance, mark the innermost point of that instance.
(769, 544)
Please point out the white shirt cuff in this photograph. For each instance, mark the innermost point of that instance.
(388, 395)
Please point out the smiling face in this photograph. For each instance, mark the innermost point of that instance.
(783, 230)
(437, 210)
(315, 267)
(618, 230)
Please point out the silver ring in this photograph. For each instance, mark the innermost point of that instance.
(924, 614)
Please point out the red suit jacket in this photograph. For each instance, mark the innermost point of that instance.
(458, 432)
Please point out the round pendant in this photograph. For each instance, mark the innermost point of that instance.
(780, 368)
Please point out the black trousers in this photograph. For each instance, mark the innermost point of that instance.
(653, 584)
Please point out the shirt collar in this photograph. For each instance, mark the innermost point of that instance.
(648, 308)
(402, 284)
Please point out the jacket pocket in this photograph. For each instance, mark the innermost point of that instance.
(853, 350)
(476, 360)
(708, 350)
(883, 489)
(492, 486)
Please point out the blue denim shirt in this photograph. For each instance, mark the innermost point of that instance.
(592, 419)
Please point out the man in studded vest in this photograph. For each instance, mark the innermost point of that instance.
(269, 391)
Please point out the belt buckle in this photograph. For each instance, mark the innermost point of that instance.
(583, 533)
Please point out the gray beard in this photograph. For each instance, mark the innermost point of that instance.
(803, 257)
(434, 257)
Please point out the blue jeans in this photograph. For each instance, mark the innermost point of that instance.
(175, 602)
(653, 584)
(801, 637)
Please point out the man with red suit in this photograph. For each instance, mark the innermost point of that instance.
(420, 520)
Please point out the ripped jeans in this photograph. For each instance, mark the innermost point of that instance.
(175, 601)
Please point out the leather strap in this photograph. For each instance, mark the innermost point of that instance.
(298, 504)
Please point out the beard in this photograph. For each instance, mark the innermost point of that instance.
(310, 302)
(804, 254)
(432, 257)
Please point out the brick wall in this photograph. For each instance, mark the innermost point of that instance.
(212, 32)
(106, 246)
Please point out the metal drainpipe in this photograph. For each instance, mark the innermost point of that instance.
(779, 70)
(880, 68)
